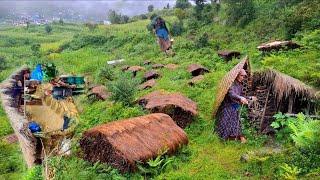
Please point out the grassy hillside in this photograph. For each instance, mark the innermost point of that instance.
(74, 49)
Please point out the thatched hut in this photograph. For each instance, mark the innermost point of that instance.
(123, 143)
(196, 69)
(157, 66)
(180, 108)
(228, 55)
(98, 92)
(277, 45)
(278, 92)
(195, 80)
(172, 66)
(135, 69)
(151, 75)
(148, 84)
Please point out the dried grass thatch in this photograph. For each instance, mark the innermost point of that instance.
(283, 85)
(277, 45)
(196, 69)
(148, 84)
(181, 109)
(227, 81)
(228, 55)
(99, 92)
(122, 143)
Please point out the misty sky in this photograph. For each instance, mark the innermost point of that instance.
(87, 8)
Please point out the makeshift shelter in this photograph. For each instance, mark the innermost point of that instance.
(228, 55)
(99, 92)
(148, 84)
(278, 92)
(195, 80)
(172, 66)
(228, 79)
(135, 69)
(157, 66)
(123, 143)
(277, 45)
(56, 120)
(178, 107)
(196, 69)
(151, 75)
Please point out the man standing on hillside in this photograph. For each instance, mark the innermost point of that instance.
(161, 31)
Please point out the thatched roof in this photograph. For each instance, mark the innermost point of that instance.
(276, 45)
(100, 92)
(157, 66)
(196, 69)
(227, 80)
(135, 68)
(228, 55)
(172, 66)
(151, 75)
(148, 84)
(179, 107)
(195, 80)
(284, 85)
(123, 143)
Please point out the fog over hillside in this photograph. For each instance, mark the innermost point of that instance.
(88, 9)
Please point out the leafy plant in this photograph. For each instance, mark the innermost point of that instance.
(288, 172)
(105, 74)
(123, 89)
(281, 126)
(155, 166)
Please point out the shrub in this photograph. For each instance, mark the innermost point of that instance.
(182, 4)
(91, 26)
(116, 18)
(240, 12)
(202, 41)
(48, 28)
(123, 89)
(105, 74)
(3, 63)
(35, 48)
(177, 28)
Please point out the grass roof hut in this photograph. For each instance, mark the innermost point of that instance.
(278, 92)
(123, 143)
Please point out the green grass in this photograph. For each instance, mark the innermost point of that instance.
(208, 157)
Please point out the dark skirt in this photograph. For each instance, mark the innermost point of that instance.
(164, 44)
(228, 122)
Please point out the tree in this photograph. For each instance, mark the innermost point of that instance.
(182, 4)
(150, 8)
(240, 12)
(116, 18)
(48, 28)
(61, 21)
(199, 8)
(91, 26)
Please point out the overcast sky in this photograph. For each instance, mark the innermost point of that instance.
(94, 8)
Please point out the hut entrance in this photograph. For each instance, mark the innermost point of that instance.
(277, 92)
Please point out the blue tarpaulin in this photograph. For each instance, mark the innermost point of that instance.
(37, 74)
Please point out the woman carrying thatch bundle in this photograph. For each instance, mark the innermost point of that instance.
(228, 125)
(161, 31)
